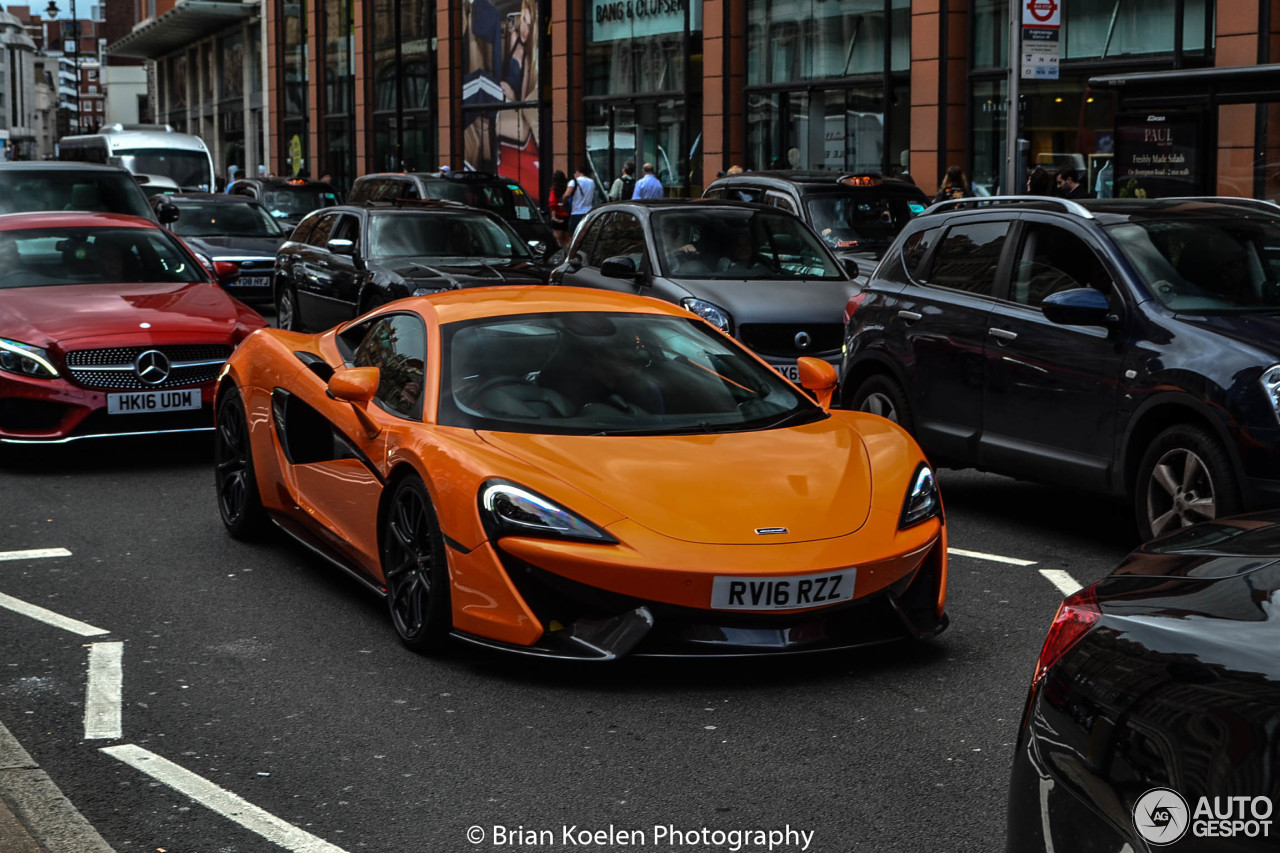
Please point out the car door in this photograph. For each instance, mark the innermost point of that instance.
(936, 326)
(1051, 400)
(311, 273)
(346, 272)
(576, 271)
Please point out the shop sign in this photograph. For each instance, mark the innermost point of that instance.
(614, 20)
(1157, 155)
(1041, 39)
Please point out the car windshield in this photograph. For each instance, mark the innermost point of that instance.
(296, 202)
(224, 219)
(739, 243)
(1206, 264)
(509, 201)
(23, 190)
(860, 221)
(614, 373)
(188, 169)
(43, 257)
(460, 236)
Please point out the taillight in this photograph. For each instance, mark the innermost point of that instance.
(1076, 616)
(854, 303)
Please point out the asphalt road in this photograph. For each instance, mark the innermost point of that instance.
(273, 689)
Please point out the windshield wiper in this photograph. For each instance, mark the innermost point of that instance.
(795, 417)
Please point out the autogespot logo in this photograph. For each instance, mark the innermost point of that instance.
(1160, 816)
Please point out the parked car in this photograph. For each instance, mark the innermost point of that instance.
(343, 261)
(856, 215)
(484, 460)
(485, 190)
(1123, 347)
(108, 326)
(235, 230)
(50, 185)
(1154, 713)
(287, 199)
(755, 272)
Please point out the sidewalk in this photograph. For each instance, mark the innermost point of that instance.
(34, 816)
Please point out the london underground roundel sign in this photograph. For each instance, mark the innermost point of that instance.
(1042, 12)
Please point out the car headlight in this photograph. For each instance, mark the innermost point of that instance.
(510, 510)
(1271, 386)
(25, 360)
(922, 500)
(712, 313)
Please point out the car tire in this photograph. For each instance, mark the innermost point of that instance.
(882, 396)
(287, 316)
(239, 501)
(415, 568)
(1185, 477)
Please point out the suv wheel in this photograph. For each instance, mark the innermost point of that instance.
(1185, 478)
(287, 308)
(881, 396)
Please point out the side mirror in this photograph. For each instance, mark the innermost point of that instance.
(852, 268)
(167, 212)
(340, 246)
(1080, 306)
(619, 267)
(354, 384)
(226, 272)
(818, 376)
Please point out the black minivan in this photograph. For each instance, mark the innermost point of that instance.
(1128, 347)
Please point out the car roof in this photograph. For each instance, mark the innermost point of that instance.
(1111, 210)
(59, 166)
(284, 183)
(688, 203)
(72, 219)
(817, 179)
(216, 198)
(499, 301)
(412, 205)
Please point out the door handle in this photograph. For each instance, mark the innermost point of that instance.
(1002, 334)
(910, 315)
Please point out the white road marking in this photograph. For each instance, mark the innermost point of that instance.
(994, 558)
(49, 617)
(102, 696)
(33, 554)
(221, 801)
(1066, 584)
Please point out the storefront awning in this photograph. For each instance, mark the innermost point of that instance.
(1226, 85)
(187, 22)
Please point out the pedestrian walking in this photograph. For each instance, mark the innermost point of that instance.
(955, 184)
(1069, 185)
(648, 186)
(559, 213)
(581, 195)
(625, 185)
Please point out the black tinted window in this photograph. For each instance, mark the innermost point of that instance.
(916, 248)
(589, 234)
(24, 190)
(968, 256)
(323, 229)
(1053, 259)
(622, 236)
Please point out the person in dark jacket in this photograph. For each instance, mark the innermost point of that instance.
(955, 184)
(1069, 185)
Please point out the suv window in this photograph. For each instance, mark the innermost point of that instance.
(968, 257)
(1054, 259)
(323, 229)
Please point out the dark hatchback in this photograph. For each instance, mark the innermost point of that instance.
(755, 272)
(1154, 715)
(345, 260)
(1129, 348)
(855, 214)
(230, 230)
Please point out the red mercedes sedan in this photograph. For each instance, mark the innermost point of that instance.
(109, 326)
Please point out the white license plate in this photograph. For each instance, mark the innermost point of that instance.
(791, 371)
(142, 402)
(254, 281)
(790, 593)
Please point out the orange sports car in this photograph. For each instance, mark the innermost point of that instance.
(581, 474)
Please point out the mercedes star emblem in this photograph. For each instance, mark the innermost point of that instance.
(803, 340)
(152, 367)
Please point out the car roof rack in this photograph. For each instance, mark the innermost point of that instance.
(1256, 203)
(974, 202)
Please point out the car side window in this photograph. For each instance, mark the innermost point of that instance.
(406, 189)
(714, 192)
(779, 201)
(347, 228)
(1052, 259)
(968, 257)
(587, 240)
(323, 229)
(304, 229)
(916, 249)
(624, 236)
(397, 346)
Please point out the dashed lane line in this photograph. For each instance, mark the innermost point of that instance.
(1066, 584)
(220, 800)
(994, 558)
(102, 698)
(34, 554)
(48, 617)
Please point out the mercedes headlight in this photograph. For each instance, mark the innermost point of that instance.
(25, 360)
(923, 501)
(1271, 386)
(510, 510)
(712, 313)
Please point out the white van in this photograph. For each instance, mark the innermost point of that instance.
(145, 149)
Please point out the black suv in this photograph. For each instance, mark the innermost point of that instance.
(1126, 347)
(485, 190)
(854, 214)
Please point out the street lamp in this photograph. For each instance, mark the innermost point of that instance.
(52, 11)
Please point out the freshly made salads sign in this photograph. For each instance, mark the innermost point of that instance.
(1157, 155)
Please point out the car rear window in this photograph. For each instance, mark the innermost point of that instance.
(27, 190)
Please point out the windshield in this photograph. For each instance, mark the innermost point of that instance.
(740, 243)
(297, 202)
(588, 372)
(860, 221)
(1205, 264)
(224, 219)
(458, 235)
(42, 257)
(509, 201)
(189, 169)
(66, 189)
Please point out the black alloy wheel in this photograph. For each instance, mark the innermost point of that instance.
(239, 502)
(881, 396)
(1186, 477)
(414, 568)
(287, 316)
